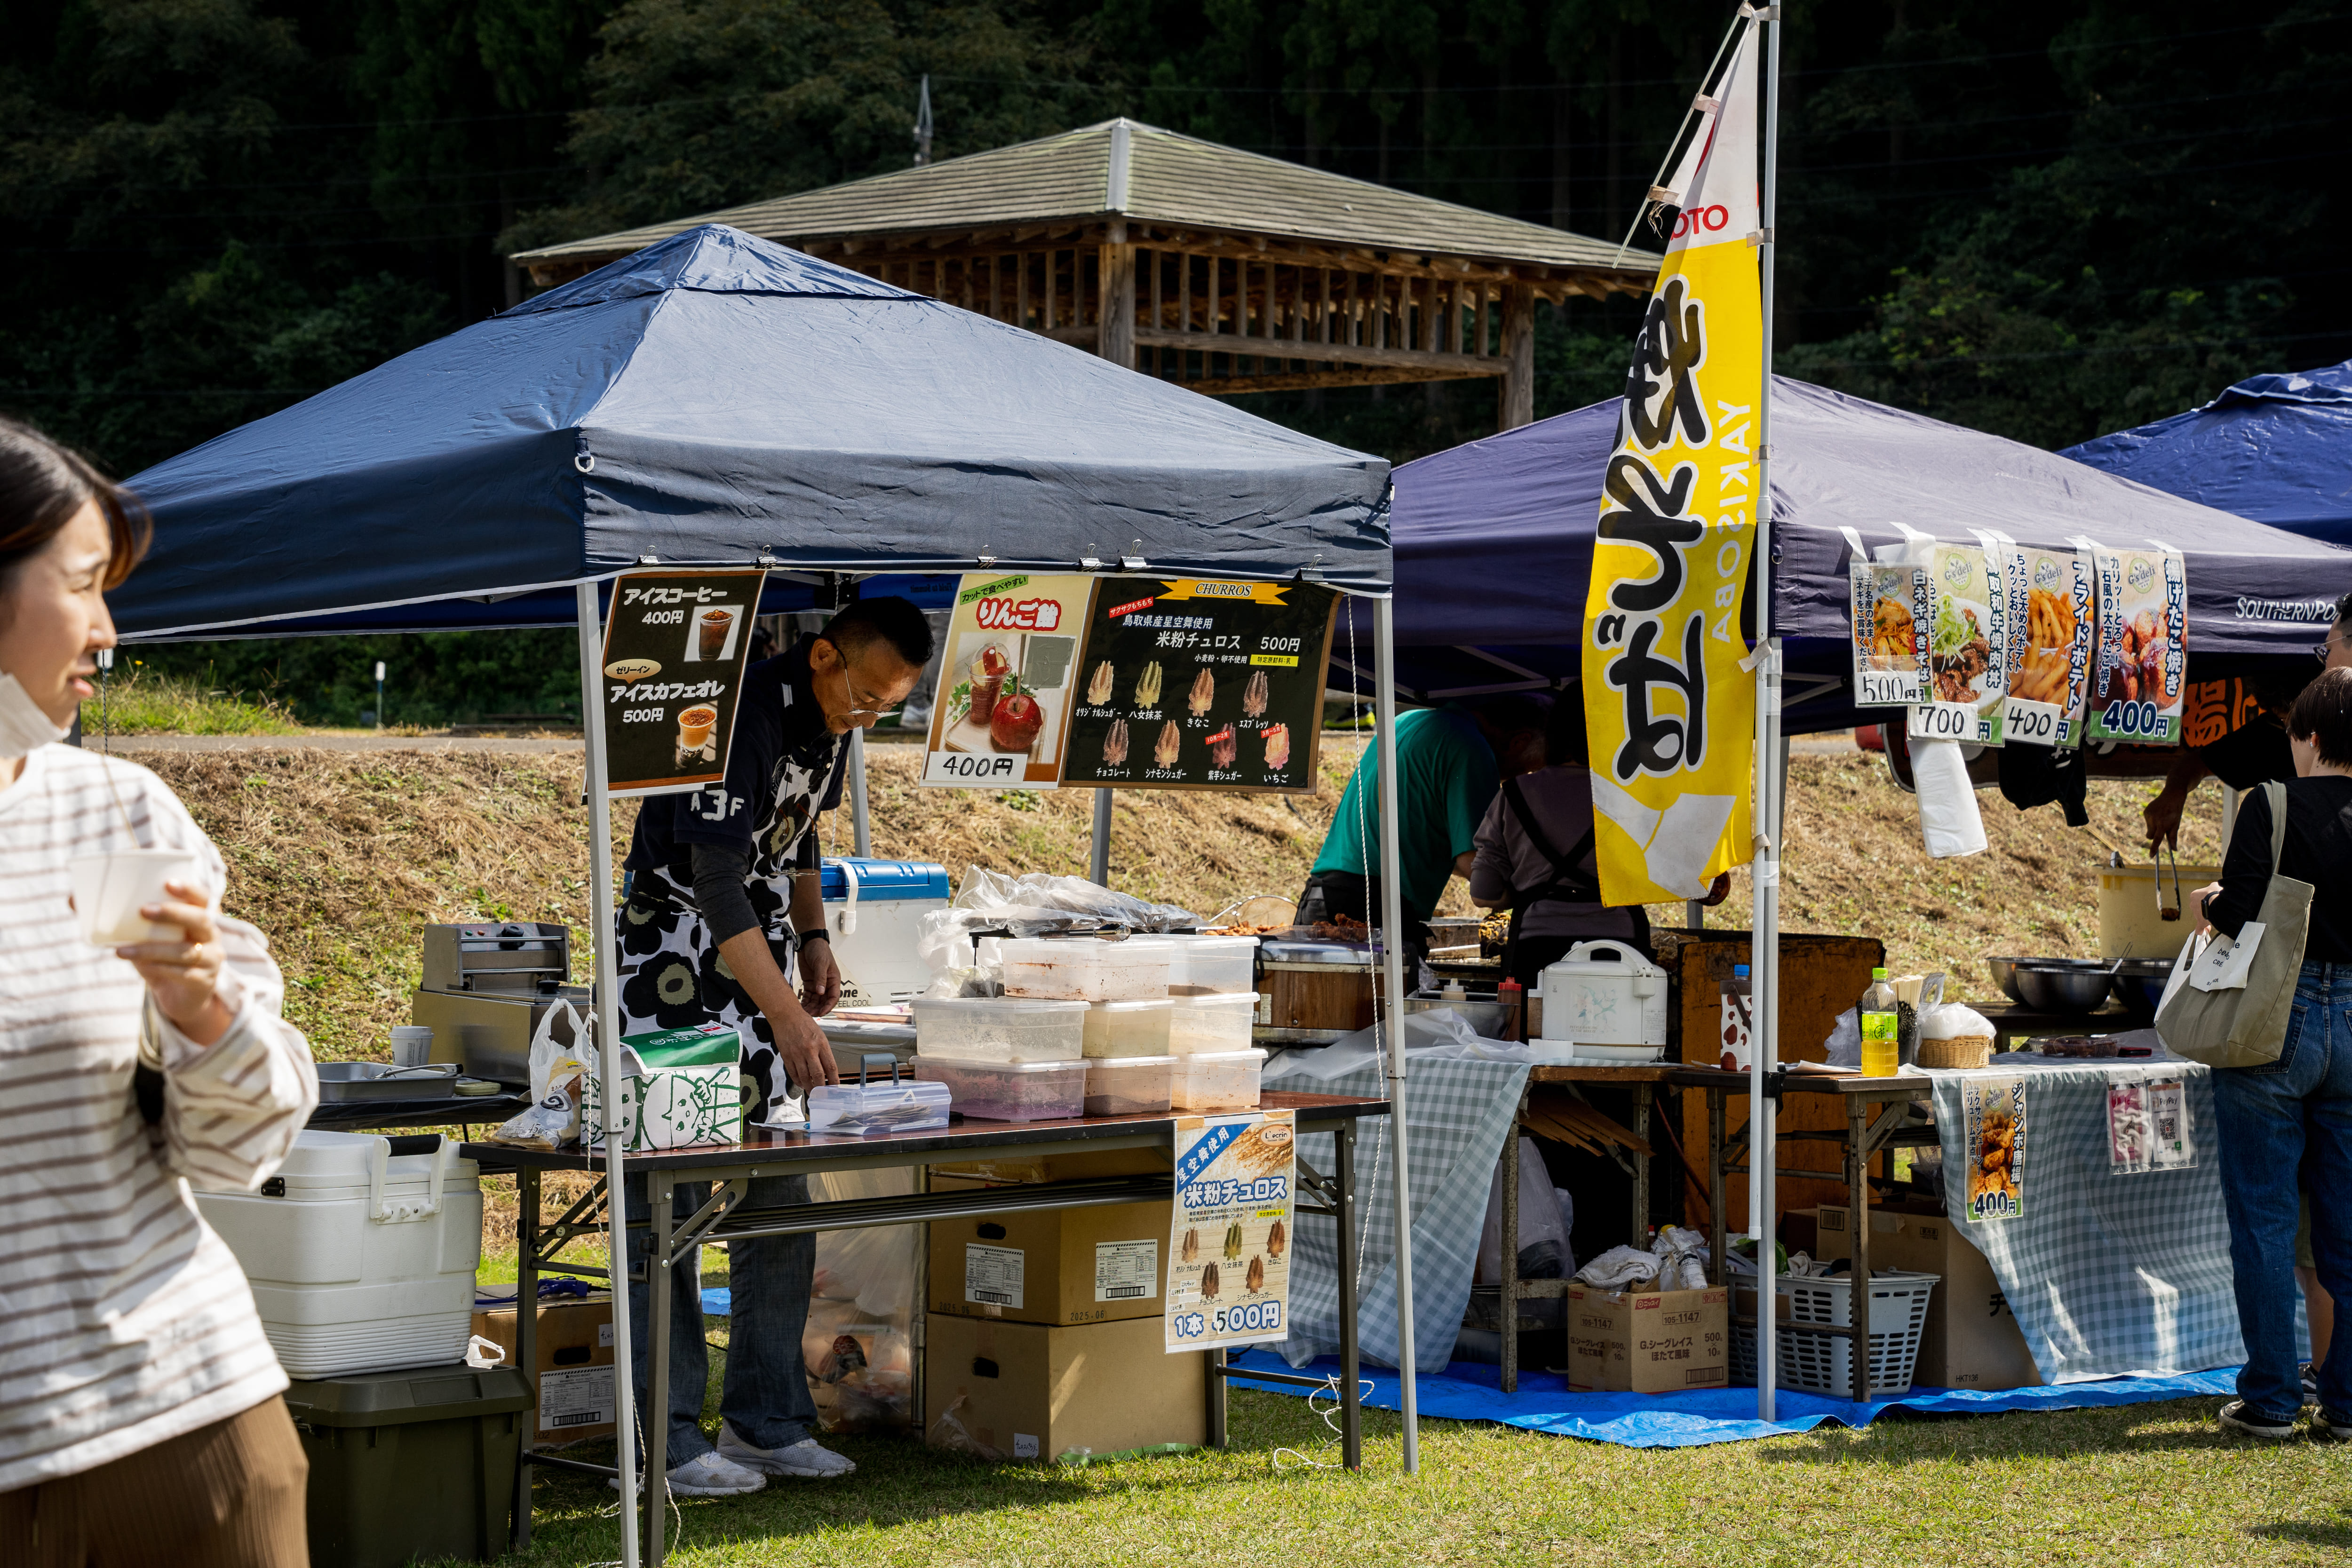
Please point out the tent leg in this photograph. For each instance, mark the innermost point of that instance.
(1695, 914)
(861, 824)
(1098, 865)
(1392, 930)
(608, 1045)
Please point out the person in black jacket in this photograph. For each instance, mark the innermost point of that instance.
(2274, 1116)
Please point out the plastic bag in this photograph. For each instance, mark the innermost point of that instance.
(1845, 1039)
(1949, 819)
(948, 1432)
(1436, 1033)
(1544, 1222)
(858, 1346)
(559, 1074)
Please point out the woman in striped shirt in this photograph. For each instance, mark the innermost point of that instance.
(140, 1421)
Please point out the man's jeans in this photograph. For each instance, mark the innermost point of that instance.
(2267, 1114)
(766, 1397)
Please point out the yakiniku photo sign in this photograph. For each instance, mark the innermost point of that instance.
(1192, 684)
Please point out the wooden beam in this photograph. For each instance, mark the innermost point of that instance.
(1343, 353)
(1517, 401)
(1239, 385)
(1115, 298)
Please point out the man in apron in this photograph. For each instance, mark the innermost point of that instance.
(721, 906)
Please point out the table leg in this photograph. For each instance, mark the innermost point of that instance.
(1213, 1369)
(655, 1415)
(525, 1344)
(1507, 1315)
(918, 1416)
(1351, 1409)
(1642, 1094)
(1717, 1230)
(1857, 1170)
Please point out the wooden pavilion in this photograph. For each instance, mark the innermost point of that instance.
(1223, 270)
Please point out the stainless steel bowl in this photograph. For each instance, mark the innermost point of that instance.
(2061, 985)
(2139, 984)
(2004, 974)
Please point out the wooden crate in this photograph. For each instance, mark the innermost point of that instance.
(1820, 977)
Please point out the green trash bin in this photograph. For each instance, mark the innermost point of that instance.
(418, 1463)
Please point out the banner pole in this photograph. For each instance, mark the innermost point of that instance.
(1764, 957)
(608, 1045)
(1393, 973)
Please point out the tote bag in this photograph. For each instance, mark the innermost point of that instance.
(2228, 1004)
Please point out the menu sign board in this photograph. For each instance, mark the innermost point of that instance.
(1202, 685)
(1006, 682)
(676, 644)
(1230, 1247)
(1889, 603)
(2137, 680)
(1967, 628)
(2050, 603)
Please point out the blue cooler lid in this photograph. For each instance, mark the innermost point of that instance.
(885, 881)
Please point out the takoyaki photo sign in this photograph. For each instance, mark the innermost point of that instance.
(1192, 684)
(1230, 1247)
(1006, 686)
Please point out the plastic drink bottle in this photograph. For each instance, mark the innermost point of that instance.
(1880, 1044)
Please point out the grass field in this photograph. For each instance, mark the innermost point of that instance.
(138, 704)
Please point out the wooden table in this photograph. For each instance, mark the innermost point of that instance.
(1643, 1082)
(1863, 1136)
(728, 1168)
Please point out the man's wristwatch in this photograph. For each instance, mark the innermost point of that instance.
(801, 939)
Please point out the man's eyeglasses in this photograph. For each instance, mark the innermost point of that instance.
(2322, 650)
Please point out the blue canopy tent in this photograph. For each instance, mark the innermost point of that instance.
(1494, 544)
(717, 399)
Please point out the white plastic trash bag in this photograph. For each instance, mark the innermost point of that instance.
(1949, 819)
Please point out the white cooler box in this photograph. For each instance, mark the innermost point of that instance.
(872, 908)
(361, 1251)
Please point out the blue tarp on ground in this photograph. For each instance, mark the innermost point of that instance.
(1467, 1391)
(2276, 448)
(714, 398)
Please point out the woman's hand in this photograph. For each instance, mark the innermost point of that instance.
(184, 976)
(2197, 901)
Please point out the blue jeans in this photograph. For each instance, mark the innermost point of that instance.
(766, 1395)
(2272, 1118)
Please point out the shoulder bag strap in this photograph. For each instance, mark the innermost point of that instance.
(2275, 793)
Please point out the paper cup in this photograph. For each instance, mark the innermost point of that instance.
(412, 1045)
(109, 890)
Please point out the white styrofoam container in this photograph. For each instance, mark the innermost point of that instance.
(366, 1261)
(1605, 994)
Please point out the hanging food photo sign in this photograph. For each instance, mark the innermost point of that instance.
(1190, 684)
(1967, 639)
(675, 645)
(1889, 603)
(1007, 682)
(2049, 627)
(2137, 675)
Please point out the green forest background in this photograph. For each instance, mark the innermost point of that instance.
(2046, 220)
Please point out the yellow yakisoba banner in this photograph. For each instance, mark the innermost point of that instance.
(1670, 715)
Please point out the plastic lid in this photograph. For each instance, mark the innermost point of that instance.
(1878, 974)
(1254, 1053)
(995, 1005)
(977, 1064)
(1120, 1064)
(1510, 986)
(1739, 971)
(1137, 1005)
(1216, 999)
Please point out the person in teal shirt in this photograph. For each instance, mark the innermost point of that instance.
(1451, 759)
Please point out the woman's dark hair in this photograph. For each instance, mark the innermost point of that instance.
(2323, 715)
(42, 485)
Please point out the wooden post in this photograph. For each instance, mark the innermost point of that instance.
(1115, 298)
(1517, 392)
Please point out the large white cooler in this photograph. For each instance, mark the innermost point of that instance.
(361, 1251)
(873, 908)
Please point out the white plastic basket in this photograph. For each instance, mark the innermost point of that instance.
(1823, 1363)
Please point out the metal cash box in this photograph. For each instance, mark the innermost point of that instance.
(485, 988)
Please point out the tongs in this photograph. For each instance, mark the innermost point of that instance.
(2164, 910)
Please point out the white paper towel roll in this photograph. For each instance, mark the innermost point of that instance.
(1949, 819)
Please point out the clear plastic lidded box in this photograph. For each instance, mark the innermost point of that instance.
(1010, 1091)
(1000, 1029)
(901, 1105)
(1197, 1024)
(1217, 1080)
(1129, 1086)
(1127, 1028)
(1086, 968)
(1213, 965)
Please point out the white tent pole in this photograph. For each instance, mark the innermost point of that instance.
(608, 1045)
(1392, 930)
(1099, 863)
(1771, 779)
(861, 824)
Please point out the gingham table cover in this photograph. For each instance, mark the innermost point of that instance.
(1457, 1114)
(2107, 1274)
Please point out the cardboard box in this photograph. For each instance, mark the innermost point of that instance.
(574, 1371)
(1972, 1339)
(1064, 1167)
(1028, 1390)
(1059, 1267)
(1653, 1342)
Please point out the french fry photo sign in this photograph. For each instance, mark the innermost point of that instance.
(2050, 623)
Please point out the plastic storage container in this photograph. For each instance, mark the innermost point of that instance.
(1000, 1029)
(1086, 968)
(1127, 1028)
(417, 1464)
(873, 909)
(1213, 965)
(361, 1251)
(1129, 1086)
(1217, 1080)
(1010, 1091)
(1198, 1023)
(1823, 1363)
(903, 1105)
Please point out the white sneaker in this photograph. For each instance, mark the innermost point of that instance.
(712, 1475)
(807, 1459)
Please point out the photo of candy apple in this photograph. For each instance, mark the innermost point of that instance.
(1016, 722)
(990, 666)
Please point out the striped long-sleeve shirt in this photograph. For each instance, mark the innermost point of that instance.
(124, 1321)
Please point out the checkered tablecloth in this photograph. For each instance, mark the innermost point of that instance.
(1457, 1114)
(2107, 1274)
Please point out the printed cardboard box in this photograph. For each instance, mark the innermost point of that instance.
(573, 1370)
(1029, 1391)
(1058, 1267)
(1972, 1339)
(1652, 1341)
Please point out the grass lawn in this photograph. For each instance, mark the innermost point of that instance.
(2141, 1483)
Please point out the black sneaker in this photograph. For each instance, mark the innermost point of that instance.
(2331, 1427)
(2310, 1385)
(2236, 1417)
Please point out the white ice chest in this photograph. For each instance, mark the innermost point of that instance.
(361, 1251)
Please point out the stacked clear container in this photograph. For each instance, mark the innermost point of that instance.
(1004, 1058)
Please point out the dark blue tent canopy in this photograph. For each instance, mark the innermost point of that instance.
(1494, 542)
(718, 398)
(2276, 448)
